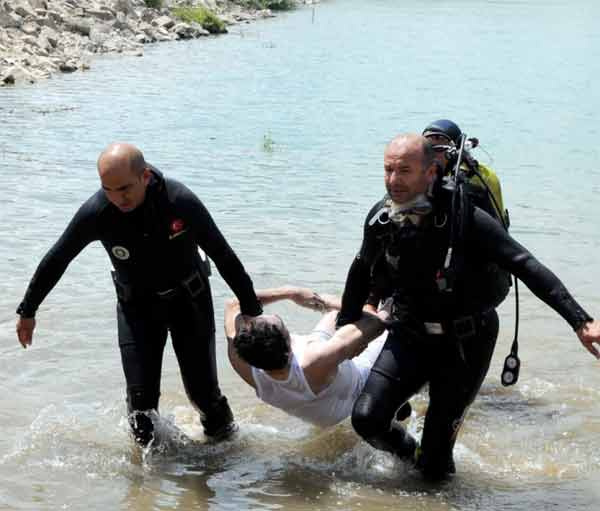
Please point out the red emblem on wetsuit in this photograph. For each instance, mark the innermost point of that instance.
(177, 225)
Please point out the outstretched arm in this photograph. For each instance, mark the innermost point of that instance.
(80, 232)
(233, 320)
(512, 256)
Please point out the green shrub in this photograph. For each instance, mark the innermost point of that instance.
(274, 5)
(280, 5)
(202, 16)
(154, 4)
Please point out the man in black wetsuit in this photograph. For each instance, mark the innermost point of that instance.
(440, 337)
(151, 228)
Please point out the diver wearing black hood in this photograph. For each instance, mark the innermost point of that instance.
(151, 228)
(444, 324)
(483, 182)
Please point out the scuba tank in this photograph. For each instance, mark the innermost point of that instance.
(467, 180)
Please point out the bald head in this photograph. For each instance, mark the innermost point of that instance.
(119, 158)
(124, 175)
(408, 163)
(412, 145)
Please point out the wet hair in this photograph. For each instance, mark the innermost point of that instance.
(263, 345)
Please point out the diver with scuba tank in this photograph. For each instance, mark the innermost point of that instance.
(437, 253)
(445, 135)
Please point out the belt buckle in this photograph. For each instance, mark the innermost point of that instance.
(464, 327)
(167, 294)
(194, 284)
(433, 328)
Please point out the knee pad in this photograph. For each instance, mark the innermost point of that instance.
(217, 418)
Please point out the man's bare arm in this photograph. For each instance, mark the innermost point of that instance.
(232, 315)
(321, 359)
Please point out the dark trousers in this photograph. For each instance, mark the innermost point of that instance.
(143, 325)
(454, 371)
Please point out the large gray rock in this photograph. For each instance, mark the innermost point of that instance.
(124, 24)
(77, 26)
(100, 14)
(199, 29)
(117, 44)
(148, 15)
(165, 22)
(29, 40)
(100, 33)
(146, 28)
(143, 38)
(23, 9)
(39, 4)
(56, 16)
(47, 21)
(50, 35)
(47, 40)
(184, 31)
(16, 74)
(162, 34)
(30, 28)
(10, 20)
(125, 6)
(68, 66)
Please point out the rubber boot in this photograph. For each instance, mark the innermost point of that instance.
(218, 421)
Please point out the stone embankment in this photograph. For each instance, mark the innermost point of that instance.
(41, 37)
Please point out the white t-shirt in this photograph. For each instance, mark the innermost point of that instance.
(332, 404)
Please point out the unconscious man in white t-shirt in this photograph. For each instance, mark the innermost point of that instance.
(315, 377)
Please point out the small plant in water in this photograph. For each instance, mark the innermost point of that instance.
(202, 16)
(268, 143)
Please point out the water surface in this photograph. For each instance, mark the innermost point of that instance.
(279, 127)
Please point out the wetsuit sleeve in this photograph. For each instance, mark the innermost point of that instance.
(209, 238)
(358, 281)
(80, 232)
(502, 249)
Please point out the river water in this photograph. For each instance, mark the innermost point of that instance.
(279, 127)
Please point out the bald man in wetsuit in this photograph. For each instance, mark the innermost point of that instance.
(443, 336)
(151, 228)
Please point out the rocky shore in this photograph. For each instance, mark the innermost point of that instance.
(39, 38)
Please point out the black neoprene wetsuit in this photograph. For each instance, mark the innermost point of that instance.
(162, 285)
(404, 261)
